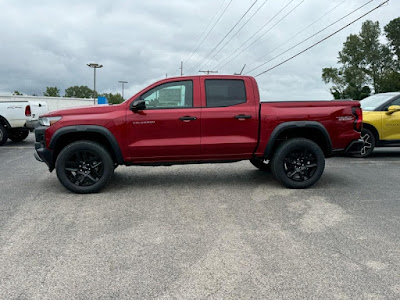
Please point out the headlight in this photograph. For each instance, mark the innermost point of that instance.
(48, 121)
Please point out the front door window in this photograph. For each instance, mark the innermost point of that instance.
(170, 95)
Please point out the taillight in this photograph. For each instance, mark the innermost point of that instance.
(357, 112)
(28, 112)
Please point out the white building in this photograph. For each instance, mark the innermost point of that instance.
(53, 103)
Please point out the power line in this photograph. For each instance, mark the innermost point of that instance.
(300, 32)
(226, 60)
(237, 32)
(226, 35)
(324, 39)
(310, 37)
(202, 41)
(205, 30)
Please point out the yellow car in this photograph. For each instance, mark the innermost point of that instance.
(381, 122)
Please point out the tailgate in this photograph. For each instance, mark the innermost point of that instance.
(38, 108)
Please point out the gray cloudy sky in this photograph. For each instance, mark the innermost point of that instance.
(48, 43)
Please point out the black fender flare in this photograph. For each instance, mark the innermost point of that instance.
(297, 124)
(89, 128)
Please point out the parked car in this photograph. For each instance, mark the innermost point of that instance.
(381, 122)
(17, 118)
(197, 119)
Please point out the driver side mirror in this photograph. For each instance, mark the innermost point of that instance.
(393, 109)
(138, 105)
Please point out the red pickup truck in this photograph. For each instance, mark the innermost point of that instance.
(197, 119)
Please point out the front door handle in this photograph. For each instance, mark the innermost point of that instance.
(187, 118)
(241, 117)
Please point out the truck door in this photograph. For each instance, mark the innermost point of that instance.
(168, 129)
(229, 118)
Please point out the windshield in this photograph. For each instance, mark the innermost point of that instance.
(374, 101)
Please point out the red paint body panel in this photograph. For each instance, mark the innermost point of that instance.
(224, 136)
(342, 133)
(158, 135)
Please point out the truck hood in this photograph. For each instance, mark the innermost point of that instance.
(98, 109)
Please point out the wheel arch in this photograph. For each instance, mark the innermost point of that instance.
(311, 130)
(4, 122)
(374, 131)
(69, 134)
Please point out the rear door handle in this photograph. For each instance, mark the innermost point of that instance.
(187, 118)
(243, 117)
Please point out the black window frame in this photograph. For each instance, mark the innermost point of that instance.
(241, 80)
(390, 103)
(141, 97)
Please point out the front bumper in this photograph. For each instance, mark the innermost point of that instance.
(43, 154)
(354, 147)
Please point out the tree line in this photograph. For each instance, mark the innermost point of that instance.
(369, 62)
(79, 92)
(82, 92)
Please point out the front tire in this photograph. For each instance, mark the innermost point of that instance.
(84, 167)
(369, 143)
(298, 163)
(3, 135)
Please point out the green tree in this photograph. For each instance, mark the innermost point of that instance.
(348, 83)
(52, 91)
(16, 93)
(365, 64)
(79, 92)
(392, 32)
(113, 98)
(391, 82)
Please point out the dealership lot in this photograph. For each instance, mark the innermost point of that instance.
(201, 231)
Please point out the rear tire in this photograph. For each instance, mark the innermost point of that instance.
(369, 143)
(84, 167)
(298, 163)
(260, 164)
(3, 135)
(18, 136)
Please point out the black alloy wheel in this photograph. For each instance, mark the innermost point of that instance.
(298, 163)
(84, 167)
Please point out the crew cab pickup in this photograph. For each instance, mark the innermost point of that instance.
(17, 118)
(197, 119)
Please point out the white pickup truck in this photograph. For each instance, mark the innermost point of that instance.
(17, 118)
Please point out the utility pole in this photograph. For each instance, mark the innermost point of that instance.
(181, 68)
(94, 66)
(123, 82)
(208, 72)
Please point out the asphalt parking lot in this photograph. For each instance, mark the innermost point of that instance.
(226, 231)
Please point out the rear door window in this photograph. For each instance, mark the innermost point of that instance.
(223, 92)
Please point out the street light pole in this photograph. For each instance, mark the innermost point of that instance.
(123, 82)
(94, 66)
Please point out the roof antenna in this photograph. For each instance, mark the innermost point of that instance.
(241, 71)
